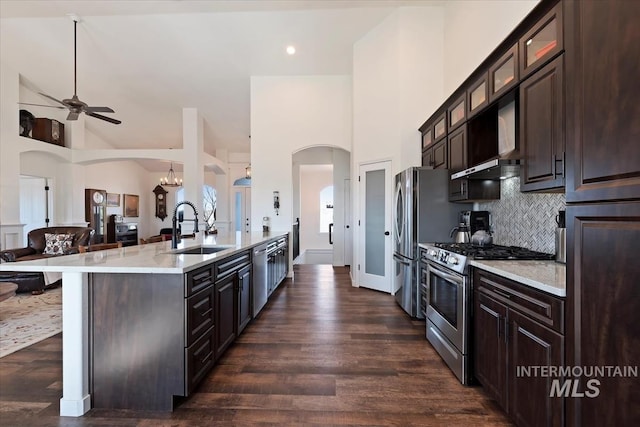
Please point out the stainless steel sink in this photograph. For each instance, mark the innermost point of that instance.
(201, 250)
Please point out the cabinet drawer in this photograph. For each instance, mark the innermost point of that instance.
(544, 308)
(199, 360)
(198, 279)
(200, 314)
(232, 264)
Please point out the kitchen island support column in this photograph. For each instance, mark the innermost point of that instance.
(75, 400)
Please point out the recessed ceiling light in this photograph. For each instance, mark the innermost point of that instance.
(291, 50)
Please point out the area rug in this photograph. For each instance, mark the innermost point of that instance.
(26, 319)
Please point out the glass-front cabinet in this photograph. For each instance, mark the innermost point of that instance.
(440, 128)
(427, 138)
(457, 113)
(478, 96)
(542, 42)
(503, 75)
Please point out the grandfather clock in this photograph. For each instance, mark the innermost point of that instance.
(95, 212)
(161, 202)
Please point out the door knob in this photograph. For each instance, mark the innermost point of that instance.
(386, 233)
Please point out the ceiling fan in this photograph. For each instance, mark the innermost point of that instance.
(74, 105)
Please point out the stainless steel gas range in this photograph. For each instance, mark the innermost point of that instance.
(450, 297)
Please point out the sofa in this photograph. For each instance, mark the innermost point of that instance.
(37, 249)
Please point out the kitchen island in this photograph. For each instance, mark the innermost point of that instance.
(139, 322)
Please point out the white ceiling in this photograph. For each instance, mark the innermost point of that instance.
(150, 59)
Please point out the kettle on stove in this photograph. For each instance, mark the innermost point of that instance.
(460, 233)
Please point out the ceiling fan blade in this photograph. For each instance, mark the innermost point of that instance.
(105, 118)
(52, 98)
(72, 115)
(99, 110)
(41, 105)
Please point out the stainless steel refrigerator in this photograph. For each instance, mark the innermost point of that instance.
(423, 214)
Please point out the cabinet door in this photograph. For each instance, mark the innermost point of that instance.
(427, 157)
(602, 323)
(603, 124)
(440, 155)
(542, 128)
(427, 138)
(244, 298)
(440, 127)
(542, 42)
(225, 312)
(458, 150)
(478, 96)
(503, 76)
(490, 347)
(457, 112)
(531, 344)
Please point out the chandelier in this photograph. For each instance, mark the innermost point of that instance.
(171, 180)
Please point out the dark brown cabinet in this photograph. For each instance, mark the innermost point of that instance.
(518, 327)
(603, 203)
(478, 95)
(440, 127)
(457, 113)
(491, 347)
(436, 156)
(233, 298)
(503, 75)
(226, 312)
(542, 42)
(245, 298)
(603, 327)
(457, 146)
(603, 126)
(542, 113)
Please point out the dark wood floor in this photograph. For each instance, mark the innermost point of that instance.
(321, 353)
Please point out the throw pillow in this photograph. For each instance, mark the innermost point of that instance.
(57, 244)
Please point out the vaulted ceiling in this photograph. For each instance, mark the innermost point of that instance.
(150, 59)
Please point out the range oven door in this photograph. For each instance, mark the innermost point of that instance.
(448, 304)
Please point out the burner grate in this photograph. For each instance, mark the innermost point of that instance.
(494, 252)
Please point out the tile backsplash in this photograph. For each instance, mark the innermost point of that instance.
(524, 219)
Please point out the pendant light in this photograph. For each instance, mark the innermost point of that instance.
(171, 180)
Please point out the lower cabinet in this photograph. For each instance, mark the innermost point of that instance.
(226, 311)
(233, 302)
(517, 331)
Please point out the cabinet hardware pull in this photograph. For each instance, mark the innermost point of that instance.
(502, 294)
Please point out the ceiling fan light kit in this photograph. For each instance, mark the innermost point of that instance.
(74, 104)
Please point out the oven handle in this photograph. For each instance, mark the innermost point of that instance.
(445, 276)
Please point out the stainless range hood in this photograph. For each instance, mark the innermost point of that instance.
(493, 169)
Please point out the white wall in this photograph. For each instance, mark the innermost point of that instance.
(473, 29)
(289, 114)
(313, 179)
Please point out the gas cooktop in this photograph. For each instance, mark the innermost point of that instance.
(493, 252)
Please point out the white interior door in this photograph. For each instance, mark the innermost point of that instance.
(375, 226)
(35, 206)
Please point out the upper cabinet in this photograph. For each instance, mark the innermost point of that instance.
(503, 75)
(457, 113)
(603, 124)
(542, 42)
(542, 112)
(440, 127)
(478, 95)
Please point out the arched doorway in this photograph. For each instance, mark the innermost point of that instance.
(322, 202)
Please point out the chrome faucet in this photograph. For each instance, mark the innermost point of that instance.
(174, 222)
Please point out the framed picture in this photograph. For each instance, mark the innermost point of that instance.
(131, 202)
(113, 199)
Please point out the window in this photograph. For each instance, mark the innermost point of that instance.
(209, 199)
(326, 208)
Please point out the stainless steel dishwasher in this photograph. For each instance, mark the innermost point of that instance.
(260, 282)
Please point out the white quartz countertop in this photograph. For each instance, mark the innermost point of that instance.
(150, 258)
(547, 276)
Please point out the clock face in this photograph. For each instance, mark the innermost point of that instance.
(98, 197)
(160, 196)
